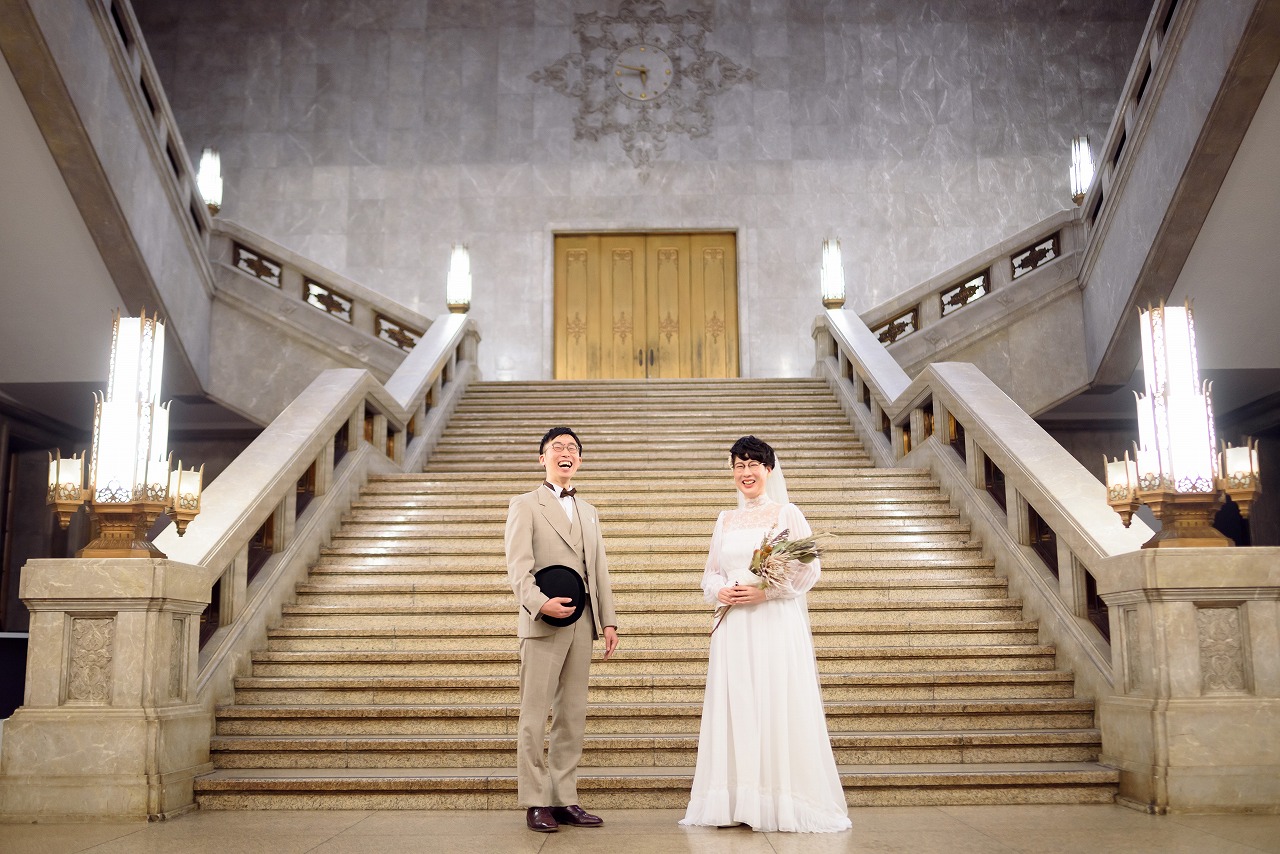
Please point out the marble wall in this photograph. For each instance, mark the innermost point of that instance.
(370, 135)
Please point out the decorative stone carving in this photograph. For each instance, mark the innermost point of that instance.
(642, 126)
(1222, 665)
(89, 672)
(1135, 665)
(178, 658)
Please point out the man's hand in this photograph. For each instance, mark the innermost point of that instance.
(557, 607)
(610, 642)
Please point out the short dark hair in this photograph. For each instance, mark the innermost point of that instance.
(558, 431)
(751, 448)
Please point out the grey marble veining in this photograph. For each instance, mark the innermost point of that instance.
(373, 136)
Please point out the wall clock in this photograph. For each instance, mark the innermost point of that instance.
(642, 72)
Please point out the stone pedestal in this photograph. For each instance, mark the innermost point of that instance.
(1194, 720)
(108, 726)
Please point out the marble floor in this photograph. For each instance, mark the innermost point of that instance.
(919, 830)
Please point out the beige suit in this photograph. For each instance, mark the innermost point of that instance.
(554, 661)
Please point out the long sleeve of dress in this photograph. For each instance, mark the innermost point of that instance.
(805, 575)
(713, 577)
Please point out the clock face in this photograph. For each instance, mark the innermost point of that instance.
(642, 72)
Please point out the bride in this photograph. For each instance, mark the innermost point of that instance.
(764, 757)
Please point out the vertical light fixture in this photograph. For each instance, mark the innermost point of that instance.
(1177, 469)
(458, 285)
(209, 180)
(1081, 168)
(130, 482)
(832, 274)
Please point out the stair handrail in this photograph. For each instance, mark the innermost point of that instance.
(265, 518)
(953, 419)
(937, 304)
(278, 269)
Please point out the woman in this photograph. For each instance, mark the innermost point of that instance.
(764, 757)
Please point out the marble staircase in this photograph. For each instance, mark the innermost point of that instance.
(392, 680)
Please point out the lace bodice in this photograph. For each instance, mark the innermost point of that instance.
(738, 534)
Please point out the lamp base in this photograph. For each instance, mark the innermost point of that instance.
(122, 530)
(1186, 521)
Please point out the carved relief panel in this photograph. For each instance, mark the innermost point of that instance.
(89, 653)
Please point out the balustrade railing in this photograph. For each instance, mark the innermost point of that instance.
(934, 307)
(332, 295)
(265, 518)
(127, 38)
(1042, 516)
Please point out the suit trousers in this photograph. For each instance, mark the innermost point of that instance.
(553, 680)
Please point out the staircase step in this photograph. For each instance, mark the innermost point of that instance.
(682, 688)
(599, 751)
(321, 653)
(646, 787)
(634, 718)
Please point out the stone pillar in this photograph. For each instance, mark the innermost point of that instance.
(109, 727)
(1193, 723)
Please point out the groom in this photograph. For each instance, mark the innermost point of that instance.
(546, 527)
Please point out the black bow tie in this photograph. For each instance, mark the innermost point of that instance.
(558, 492)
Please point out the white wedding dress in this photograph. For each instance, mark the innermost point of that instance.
(764, 756)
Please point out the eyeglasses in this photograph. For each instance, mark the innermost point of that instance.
(750, 465)
(561, 447)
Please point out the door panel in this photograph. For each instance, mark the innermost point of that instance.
(634, 306)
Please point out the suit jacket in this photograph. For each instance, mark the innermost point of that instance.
(538, 535)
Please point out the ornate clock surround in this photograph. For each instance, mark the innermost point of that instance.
(643, 126)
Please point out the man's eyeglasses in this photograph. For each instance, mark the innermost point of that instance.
(563, 447)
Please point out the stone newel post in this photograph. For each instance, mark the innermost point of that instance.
(109, 726)
(1194, 720)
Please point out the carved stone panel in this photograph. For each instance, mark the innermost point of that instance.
(89, 660)
(1223, 668)
(1135, 663)
(178, 658)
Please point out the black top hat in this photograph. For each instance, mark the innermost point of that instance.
(559, 580)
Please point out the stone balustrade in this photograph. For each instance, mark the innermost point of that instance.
(129, 657)
(331, 295)
(1204, 634)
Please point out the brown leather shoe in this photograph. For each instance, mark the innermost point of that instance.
(541, 819)
(576, 816)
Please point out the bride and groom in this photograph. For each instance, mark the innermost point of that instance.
(764, 756)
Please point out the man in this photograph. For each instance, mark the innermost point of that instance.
(547, 527)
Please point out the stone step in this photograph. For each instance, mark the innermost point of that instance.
(675, 688)
(686, 568)
(869, 748)
(634, 550)
(646, 787)
(383, 530)
(821, 516)
(444, 614)
(646, 718)
(304, 652)
(632, 595)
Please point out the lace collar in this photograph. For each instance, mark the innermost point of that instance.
(759, 501)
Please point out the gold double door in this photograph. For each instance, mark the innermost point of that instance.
(646, 305)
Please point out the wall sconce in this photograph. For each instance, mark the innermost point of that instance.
(130, 481)
(457, 289)
(1081, 168)
(1177, 469)
(832, 274)
(209, 180)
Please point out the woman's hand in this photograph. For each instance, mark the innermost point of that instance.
(741, 594)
